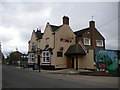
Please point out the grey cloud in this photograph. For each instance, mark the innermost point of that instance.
(26, 16)
(5, 38)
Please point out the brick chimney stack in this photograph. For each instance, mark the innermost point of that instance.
(92, 24)
(66, 20)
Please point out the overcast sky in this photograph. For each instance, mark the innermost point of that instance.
(20, 18)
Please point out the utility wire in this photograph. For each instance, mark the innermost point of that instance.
(109, 22)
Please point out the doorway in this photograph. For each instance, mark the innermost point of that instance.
(70, 62)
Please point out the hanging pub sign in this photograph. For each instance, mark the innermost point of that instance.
(65, 40)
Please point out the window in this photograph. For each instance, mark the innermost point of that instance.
(33, 47)
(43, 53)
(47, 53)
(31, 58)
(99, 43)
(47, 41)
(59, 54)
(46, 57)
(87, 41)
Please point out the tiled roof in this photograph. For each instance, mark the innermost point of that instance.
(54, 28)
(17, 52)
(81, 32)
(75, 49)
(38, 34)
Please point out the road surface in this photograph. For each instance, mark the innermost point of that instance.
(13, 77)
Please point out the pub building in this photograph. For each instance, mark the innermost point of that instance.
(59, 47)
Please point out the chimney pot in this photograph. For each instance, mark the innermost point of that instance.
(33, 30)
(48, 23)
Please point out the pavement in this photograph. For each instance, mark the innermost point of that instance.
(73, 72)
(62, 71)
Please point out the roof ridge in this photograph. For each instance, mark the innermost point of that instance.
(82, 29)
(55, 28)
(56, 25)
(38, 34)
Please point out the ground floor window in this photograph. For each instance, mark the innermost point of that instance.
(45, 57)
(31, 58)
(59, 54)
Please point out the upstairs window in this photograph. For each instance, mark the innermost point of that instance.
(47, 41)
(38, 44)
(99, 43)
(87, 41)
(33, 47)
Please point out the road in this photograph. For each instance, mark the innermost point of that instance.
(13, 77)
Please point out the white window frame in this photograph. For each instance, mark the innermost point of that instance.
(31, 58)
(99, 43)
(45, 57)
(89, 41)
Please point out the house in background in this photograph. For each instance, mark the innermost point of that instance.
(60, 47)
(15, 57)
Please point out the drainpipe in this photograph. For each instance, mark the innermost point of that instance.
(54, 40)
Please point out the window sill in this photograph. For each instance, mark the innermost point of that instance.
(45, 63)
(87, 45)
(99, 46)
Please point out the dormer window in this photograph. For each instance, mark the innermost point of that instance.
(87, 41)
(99, 43)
